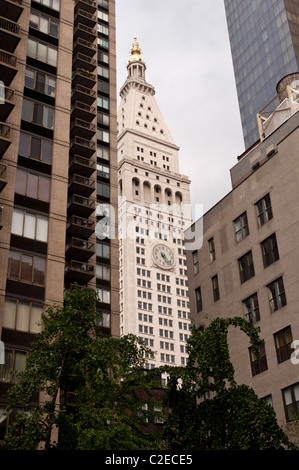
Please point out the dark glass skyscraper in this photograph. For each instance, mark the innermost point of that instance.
(264, 39)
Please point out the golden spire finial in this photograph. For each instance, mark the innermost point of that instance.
(135, 52)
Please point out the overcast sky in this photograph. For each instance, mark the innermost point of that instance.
(186, 49)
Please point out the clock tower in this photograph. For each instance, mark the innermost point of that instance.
(154, 212)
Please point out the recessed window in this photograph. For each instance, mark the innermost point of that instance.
(198, 299)
(29, 225)
(246, 267)
(241, 227)
(215, 286)
(251, 309)
(258, 365)
(43, 52)
(38, 113)
(291, 401)
(212, 250)
(264, 210)
(32, 185)
(44, 23)
(270, 250)
(276, 293)
(22, 315)
(283, 340)
(35, 147)
(26, 268)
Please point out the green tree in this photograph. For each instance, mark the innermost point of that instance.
(209, 410)
(104, 375)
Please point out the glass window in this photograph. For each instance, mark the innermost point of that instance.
(34, 20)
(24, 144)
(29, 226)
(52, 56)
(283, 340)
(40, 82)
(22, 320)
(14, 265)
(241, 227)
(39, 271)
(48, 120)
(42, 228)
(32, 185)
(35, 148)
(41, 52)
(17, 222)
(251, 309)
(44, 188)
(31, 48)
(269, 250)
(50, 86)
(29, 78)
(26, 268)
(46, 155)
(9, 313)
(27, 110)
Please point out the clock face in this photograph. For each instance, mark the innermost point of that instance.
(163, 256)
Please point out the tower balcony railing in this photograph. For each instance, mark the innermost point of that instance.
(84, 62)
(9, 34)
(3, 180)
(7, 103)
(80, 226)
(88, 5)
(80, 249)
(84, 17)
(86, 47)
(82, 147)
(84, 77)
(81, 271)
(82, 185)
(81, 206)
(8, 67)
(4, 138)
(11, 9)
(81, 165)
(83, 94)
(83, 111)
(83, 128)
(85, 32)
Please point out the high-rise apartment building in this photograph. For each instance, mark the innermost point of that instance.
(58, 164)
(248, 263)
(154, 302)
(264, 40)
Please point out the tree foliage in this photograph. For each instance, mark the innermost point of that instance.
(209, 410)
(70, 354)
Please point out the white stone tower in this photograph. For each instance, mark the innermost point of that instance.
(153, 214)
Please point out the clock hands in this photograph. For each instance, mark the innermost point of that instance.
(165, 257)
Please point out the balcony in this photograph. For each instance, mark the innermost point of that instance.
(85, 47)
(80, 249)
(84, 95)
(84, 77)
(83, 111)
(6, 102)
(8, 67)
(78, 271)
(83, 129)
(9, 34)
(82, 147)
(4, 138)
(86, 18)
(81, 206)
(80, 227)
(88, 5)
(11, 9)
(81, 185)
(85, 32)
(82, 166)
(3, 181)
(84, 62)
